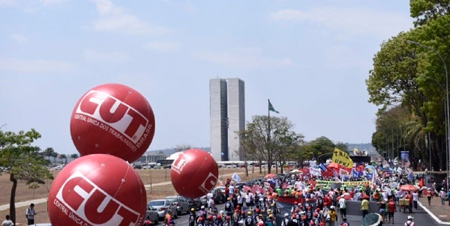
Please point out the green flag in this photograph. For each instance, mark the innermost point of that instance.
(271, 108)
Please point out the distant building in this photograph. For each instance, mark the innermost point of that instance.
(151, 157)
(227, 115)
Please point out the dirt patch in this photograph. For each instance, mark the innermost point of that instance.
(23, 193)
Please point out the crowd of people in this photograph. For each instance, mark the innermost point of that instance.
(318, 199)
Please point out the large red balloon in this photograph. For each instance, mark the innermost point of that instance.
(112, 119)
(194, 173)
(97, 189)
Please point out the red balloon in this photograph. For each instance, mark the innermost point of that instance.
(112, 119)
(97, 189)
(194, 173)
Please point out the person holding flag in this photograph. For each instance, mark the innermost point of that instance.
(236, 177)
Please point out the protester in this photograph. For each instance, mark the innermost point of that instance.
(443, 196)
(7, 222)
(30, 213)
(410, 221)
(365, 207)
(342, 207)
(344, 222)
(429, 196)
(391, 210)
(415, 196)
(382, 209)
(331, 216)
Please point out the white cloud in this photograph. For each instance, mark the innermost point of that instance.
(18, 38)
(34, 66)
(353, 21)
(163, 46)
(114, 19)
(243, 58)
(95, 56)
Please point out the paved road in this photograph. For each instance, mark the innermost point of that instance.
(421, 217)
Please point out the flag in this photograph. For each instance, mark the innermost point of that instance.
(342, 158)
(345, 172)
(323, 167)
(272, 109)
(411, 176)
(236, 177)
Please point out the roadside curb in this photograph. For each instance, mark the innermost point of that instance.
(432, 215)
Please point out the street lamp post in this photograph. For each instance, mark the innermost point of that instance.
(447, 113)
(445, 109)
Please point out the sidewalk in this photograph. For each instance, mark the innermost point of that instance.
(439, 212)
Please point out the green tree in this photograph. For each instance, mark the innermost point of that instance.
(182, 147)
(50, 153)
(74, 156)
(425, 11)
(413, 76)
(342, 146)
(63, 156)
(287, 145)
(266, 139)
(23, 161)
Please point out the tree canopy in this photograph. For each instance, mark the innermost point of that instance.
(23, 161)
(409, 72)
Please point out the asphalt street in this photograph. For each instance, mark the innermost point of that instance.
(421, 217)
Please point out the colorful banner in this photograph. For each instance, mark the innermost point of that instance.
(405, 158)
(342, 158)
(346, 183)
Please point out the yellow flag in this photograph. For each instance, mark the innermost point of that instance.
(342, 158)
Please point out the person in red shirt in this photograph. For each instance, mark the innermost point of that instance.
(352, 193)
(327, 201)
(391, 210)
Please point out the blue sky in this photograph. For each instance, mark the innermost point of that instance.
(310, 58)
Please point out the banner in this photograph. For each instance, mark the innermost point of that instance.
(345, 172)
(405, 158)
(342, 158)
(346, 183)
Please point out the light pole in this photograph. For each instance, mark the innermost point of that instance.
(448, 115)
(445, 110)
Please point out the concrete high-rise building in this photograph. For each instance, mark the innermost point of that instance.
(219, 119)
(227, 113)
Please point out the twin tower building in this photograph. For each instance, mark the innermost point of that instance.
(227, 115)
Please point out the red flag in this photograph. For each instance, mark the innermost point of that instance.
(360, 168)
(345, 172)
(333, 165)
